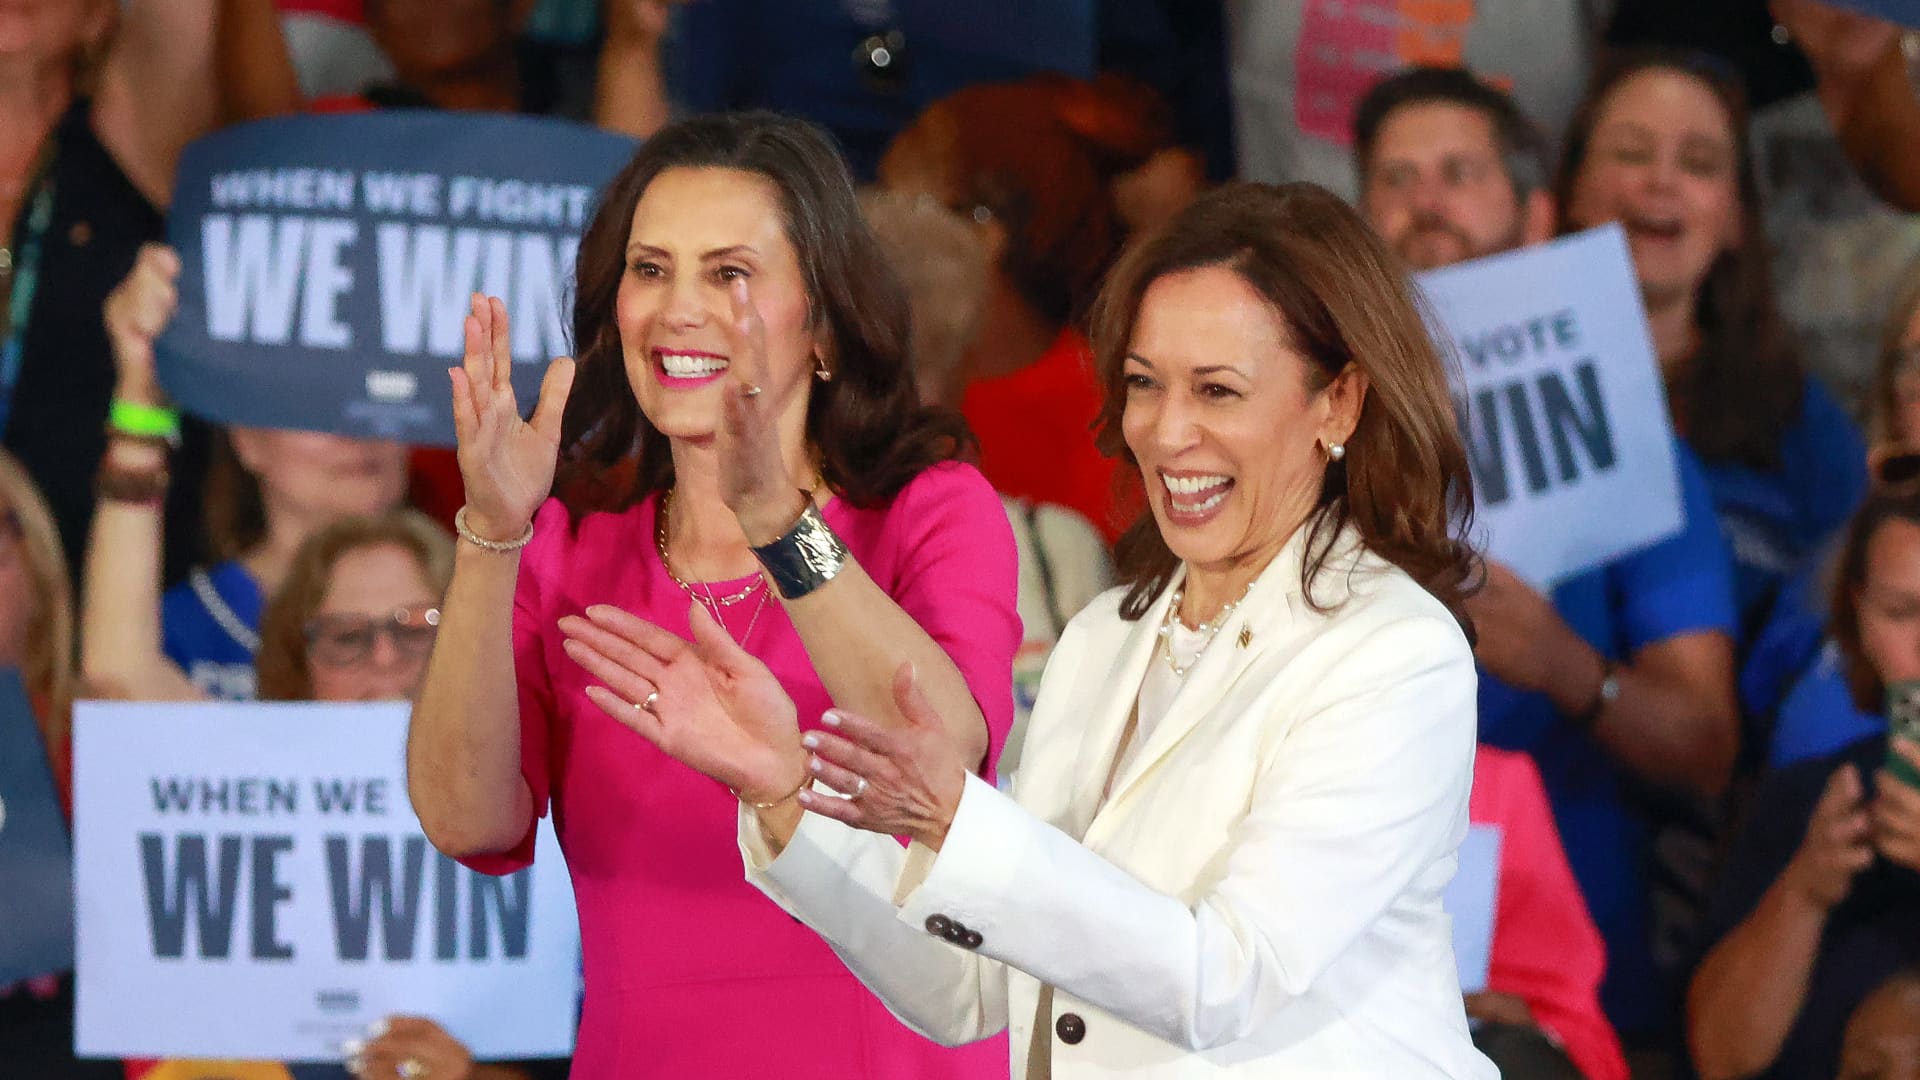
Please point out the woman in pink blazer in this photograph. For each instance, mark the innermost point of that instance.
(742, 376)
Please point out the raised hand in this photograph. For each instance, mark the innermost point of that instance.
(1838, 844)
(506, 463)
(901, 781)
(754, 479)
(137, 310)
(1896, 811)
(708, 704)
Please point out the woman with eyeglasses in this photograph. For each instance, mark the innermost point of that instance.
(355, 620)
(1661, 145)
(268, 491)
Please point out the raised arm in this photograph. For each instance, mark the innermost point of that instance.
(1864, 85)
(464, 743)
(120, 635)
(630, 95)
(856, 635)
(156, 89)
(256, 77)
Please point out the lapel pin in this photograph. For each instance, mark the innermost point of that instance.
(1246, 636)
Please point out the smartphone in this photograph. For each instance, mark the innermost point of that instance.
(1903, 722)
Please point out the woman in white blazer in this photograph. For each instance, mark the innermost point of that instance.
(1246, 774)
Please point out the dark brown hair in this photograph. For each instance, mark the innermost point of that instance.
(281, 663)
(868, 425)
(1745, 384)
(1523, 147)
(1404, 483)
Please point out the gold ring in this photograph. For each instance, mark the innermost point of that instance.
(859, 787)
(652, 698)
(411, 1068)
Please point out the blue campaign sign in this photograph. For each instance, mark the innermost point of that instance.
(328, 262)
(36, 853)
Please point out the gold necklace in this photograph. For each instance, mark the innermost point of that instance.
(713, 602)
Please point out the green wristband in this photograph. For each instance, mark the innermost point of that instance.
(144, 421)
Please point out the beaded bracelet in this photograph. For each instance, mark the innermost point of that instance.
(484, 544)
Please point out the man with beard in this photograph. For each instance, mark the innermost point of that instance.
(1620, 681)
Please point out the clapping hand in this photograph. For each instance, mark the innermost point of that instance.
(754, 477)
(506, 463)
(708, 703)
(900, 781)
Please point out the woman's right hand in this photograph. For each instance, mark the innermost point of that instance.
(506, 463)
(136, 311)
(1838, 844)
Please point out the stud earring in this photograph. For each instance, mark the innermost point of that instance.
(1336, 451)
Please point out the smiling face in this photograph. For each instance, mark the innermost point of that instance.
(695, 232)
(1227, 419)
(1889, 602)
(1662, 160)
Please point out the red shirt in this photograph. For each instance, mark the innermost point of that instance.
(1546, 950)
(1036, 432)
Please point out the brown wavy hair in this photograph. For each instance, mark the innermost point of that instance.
(281, 663)
(1345, 300)
(1884, 405)
(867, 424)
(1745, 385)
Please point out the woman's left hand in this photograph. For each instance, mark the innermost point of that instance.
(410, 1046)
(901, 781)
(754, 479)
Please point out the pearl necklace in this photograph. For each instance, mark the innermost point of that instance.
(1207, 630)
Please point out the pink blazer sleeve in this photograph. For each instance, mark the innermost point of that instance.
(1546, 950)
(957, 574)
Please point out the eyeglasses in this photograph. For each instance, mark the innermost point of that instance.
(345, 640)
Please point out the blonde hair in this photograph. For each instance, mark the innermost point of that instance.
(281, 664)
(945, 267)
(47, 668)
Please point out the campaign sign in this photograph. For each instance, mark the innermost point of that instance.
(329, 261)
(1561, 404)
(36, 856)
(1472, 900)
(252, 883)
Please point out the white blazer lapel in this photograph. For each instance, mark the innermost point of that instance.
(1112, 689)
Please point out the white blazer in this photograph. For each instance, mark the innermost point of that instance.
(1260, 893)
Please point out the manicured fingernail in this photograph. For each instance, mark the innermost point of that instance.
(830, 718)
(376, 1029)
(816, 764)
(804, 798)
(351, 1048)
(810, 741)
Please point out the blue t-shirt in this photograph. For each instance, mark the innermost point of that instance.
(1682, 585)
(210, 626)
(1794, 681)
(797, 57)
(1775, 520)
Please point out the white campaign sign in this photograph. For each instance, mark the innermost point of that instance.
(251, 883)
(1562, 404)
